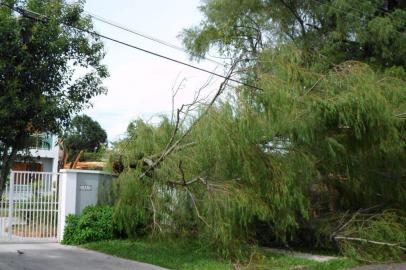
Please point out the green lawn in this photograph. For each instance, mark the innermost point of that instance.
(191, 256)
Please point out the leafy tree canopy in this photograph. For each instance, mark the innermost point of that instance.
(312, 145)
(324, 135)
(39, 57)
(84, 133)
(330, 31)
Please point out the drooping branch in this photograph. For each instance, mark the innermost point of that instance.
(173, 142)
(296, 15)
(149, 161)
(154, 214)
(192, 197)
(184, 182)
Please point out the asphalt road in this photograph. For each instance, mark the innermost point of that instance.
(53, 256)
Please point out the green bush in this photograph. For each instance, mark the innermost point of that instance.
(94, 224)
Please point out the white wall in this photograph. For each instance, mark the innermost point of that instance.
(78, 189)
(49, 158)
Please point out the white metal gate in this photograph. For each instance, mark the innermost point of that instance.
(29, 207)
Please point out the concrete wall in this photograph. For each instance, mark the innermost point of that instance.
(47, 163)
(81, 188)
(92, 188)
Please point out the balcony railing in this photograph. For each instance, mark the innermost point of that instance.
(41, 141)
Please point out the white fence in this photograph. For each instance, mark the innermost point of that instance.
(29, 207)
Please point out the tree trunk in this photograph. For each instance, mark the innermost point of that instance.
(7, 161)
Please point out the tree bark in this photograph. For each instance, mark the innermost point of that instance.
(7, 161)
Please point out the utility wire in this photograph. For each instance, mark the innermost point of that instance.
(138, 33)
(44, 19)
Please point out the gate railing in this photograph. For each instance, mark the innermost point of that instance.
(29, 207)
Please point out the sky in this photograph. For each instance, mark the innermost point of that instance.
(140, 85)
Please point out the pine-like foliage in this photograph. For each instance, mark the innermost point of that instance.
(305, 146)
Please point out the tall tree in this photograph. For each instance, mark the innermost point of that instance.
(322, 136)
(309, 147)
(85, 134)
(330, 30)
(39, 56)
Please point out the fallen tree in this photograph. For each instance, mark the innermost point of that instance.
(301, 148)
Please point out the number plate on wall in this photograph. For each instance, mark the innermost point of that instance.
(85, 188)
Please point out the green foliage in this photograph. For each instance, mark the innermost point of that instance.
(145, 140)
(84, 133)
(330, 32)
(94, 224)
(70, 230)
(39, 85)
(101, 154)
(324, 135)
(132, 214)
(308, 145)
(375, 238)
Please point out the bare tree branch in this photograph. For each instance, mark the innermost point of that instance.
(192, 197)
(154, 220)
(401, 115)
(397, 245)
(173, 144)
(314, 85)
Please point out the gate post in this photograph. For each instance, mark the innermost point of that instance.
(10, 206)
(67, 198)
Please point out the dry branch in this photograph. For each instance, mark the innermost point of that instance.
(154, 220)
(313, 86)
(397, 245)
(173, 143)
(192, 197)
(401, 115)
(183, 182)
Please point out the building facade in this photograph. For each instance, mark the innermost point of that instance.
(43, 155)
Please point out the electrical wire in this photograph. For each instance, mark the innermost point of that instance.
(143, 35)
(43, 18)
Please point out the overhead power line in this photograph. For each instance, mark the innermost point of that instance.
(44, 19)
(143, 35)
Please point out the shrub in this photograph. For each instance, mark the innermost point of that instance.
(94, 224)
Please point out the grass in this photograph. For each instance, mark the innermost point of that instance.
(188, 256)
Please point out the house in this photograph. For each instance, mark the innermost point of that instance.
(43, 155)
(41, 162)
